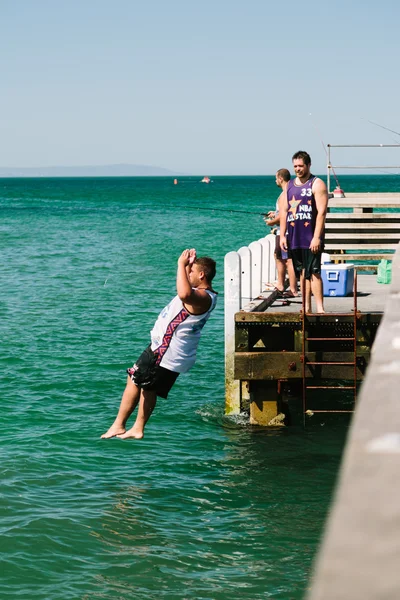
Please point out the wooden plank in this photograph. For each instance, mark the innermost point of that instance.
(373, 195)
(361, 236)
(366, 256)
(287, 365)
(366, 246)
(366, 267)
(384, 227)
(267, 317)
(364, 202)
(260, 304)
(394, 216)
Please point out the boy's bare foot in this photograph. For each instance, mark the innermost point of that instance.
(113, 432)
(132, 434)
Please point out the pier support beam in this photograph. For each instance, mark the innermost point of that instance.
(263, 402)
(232, 305)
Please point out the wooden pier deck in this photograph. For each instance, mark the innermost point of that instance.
(371, 297)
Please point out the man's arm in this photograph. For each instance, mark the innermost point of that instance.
(196, 301)
(283, 209)
(272, 220)
(321, 200)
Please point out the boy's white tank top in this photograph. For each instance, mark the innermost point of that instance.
(176, 334)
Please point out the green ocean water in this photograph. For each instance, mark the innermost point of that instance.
(205, 507)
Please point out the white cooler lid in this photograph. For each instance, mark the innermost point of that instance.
(340, 267)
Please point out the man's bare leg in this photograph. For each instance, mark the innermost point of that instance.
(292, 277)
(281, 271)
(146, 406)
(305, 284)
(318, 292)
(129, 401)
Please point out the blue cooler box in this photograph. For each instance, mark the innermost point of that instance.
(337, 279)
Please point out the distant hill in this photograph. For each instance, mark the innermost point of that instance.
(122, 170)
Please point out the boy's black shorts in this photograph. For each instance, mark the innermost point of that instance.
(146, 374)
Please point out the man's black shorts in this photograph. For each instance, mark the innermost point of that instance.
(146, 374)
(303, 258)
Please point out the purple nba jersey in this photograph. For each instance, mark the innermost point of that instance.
(302, 213)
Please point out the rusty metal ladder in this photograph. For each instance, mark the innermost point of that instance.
(306, 362)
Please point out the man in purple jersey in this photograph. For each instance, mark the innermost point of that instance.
(302, 217)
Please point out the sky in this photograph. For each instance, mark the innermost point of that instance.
(213, 87)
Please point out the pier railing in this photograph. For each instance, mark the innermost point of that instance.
(363, 228)
(359, 557)
(247, 273)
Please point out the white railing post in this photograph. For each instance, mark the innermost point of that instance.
(268, 264)
(245, 275)
(256, 269)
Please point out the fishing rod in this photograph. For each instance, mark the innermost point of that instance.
(381, 126)
(232, 210)
(386, 129)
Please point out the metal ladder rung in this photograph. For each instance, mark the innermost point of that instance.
(308, 320)
(336, 339)
(328, 411)
(332, 314)
(329, 363)
(331, 387)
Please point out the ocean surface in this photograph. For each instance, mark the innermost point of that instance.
(205, 507)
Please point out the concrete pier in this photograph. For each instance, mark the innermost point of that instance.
(359, 556)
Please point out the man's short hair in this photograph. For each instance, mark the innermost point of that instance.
(303, 155)
(208, 265)
(284, 173)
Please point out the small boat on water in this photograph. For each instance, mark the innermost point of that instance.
(205, 180)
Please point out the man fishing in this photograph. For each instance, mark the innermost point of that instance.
(174, 340)
(283, 263)
(303, 218)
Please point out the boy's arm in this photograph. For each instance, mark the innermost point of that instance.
(195, 300)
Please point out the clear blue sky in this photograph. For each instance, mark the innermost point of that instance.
(221, 86)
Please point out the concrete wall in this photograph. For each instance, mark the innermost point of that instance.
(360, 554)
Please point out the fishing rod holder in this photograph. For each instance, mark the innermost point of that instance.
(331, 168)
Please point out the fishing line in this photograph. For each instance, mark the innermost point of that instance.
(185, 207)
(325, 150)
